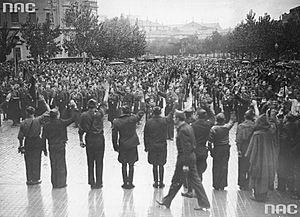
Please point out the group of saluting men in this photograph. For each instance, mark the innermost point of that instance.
(267, 144)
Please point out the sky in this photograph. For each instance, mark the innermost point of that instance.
(228, 13)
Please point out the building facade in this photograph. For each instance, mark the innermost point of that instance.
(294, 15)
(156, 31)
(15, 12)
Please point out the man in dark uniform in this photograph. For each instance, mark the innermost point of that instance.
(30, 129)
(219, 137)
(227, 104)
(14, 106)
(78, 99)
(243, 135)
(91, 124)
(125, 141)
(24, 100)
(242, 102)
(113, 102)
(189, 114)
(85, 96)
(155, 140)
(171, 98)
(150, 104)
(61, 100)
(186, 164)
(55, 131)
(128, 98)
(203, 124)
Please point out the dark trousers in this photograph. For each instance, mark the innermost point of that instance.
(261, 197)
(158, 173)
(285, 171)
(220, 166)
(201, 165)
(240, 112)
(243, 174)
(127, 174)
(58, 168)
(95, 156)
(170, 129)
(194, 180)
(296, 171)
(33, 164)
(227, 113)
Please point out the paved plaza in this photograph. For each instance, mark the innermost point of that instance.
(77, 199)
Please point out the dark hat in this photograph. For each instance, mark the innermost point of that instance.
(156, 110)
(30, 110)
(92, 103)
(201, 113)
(126, 109)
(190, 110)
(180, 115)
(220, 118)
(290, 117)
(54, 113)
(249, 115)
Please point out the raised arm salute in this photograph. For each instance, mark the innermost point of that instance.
(125, 141)
(91, 124)
(32, 147)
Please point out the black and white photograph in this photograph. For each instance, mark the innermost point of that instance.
(149, 108)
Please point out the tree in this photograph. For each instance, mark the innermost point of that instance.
(82, 27)
(117, 38)
(138, 42)
(7, 42)
(41, 39)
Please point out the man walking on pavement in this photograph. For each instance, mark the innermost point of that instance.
(186, 163)
(205, 120)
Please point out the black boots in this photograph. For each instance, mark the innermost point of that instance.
(160, 183)
(127, 179)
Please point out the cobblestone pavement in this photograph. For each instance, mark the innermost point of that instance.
(77, 199)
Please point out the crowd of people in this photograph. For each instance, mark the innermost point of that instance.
(263, 99)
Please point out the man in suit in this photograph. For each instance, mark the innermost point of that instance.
(204, 122)
(125, 141)
(185, 165)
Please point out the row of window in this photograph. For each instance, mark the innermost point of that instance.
(14, 17)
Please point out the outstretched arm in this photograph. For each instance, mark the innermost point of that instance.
(114, 133)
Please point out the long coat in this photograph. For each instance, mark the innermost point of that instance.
(155, 133)
(262, 156)
(124, 134)
(186, 143)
